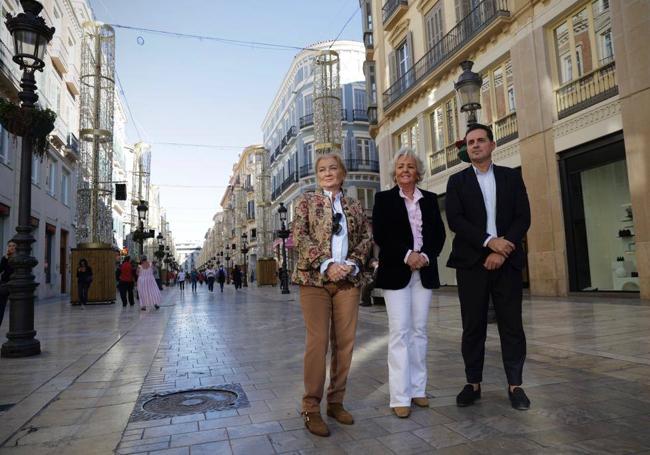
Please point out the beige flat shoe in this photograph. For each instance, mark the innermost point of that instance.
(422, 402)
(402, 411)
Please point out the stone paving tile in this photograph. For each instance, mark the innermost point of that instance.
(225, 422)
(255, 429)
(259, 445)
(200, 437)
(165, 430)
(212, 448)
(404, 443)
(290, 441)
(175, 451)
(440, 436)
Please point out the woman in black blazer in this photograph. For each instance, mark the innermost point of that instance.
(409, 231)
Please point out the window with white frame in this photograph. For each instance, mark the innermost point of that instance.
(583, 41)
(65, 187)
(402, 54)
(408, 137)
(36, 167)
(362, 149)
(360, 100)
(4, 146)
(366, 196)
(444, 124)
(51, 178)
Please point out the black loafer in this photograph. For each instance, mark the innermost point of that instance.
(518, 399)
(468, 396)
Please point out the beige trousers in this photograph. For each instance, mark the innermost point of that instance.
(335, 305)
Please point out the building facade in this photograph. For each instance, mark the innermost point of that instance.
(288, 132)
(54, 176)
(565, 86)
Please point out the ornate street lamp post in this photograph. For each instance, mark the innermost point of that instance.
(160, 254)
(244, 251)
(468, 87)
(140, 235)
(283, 233)
(30, 35)
(227, 264)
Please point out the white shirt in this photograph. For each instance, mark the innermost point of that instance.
(340, 240)
(489, 190)
(181, 276)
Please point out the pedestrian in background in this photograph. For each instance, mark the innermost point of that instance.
(5, 275)
(210, 275)
(126, 281)
(156, 275)
(194, 277)
(84, 280)
(237, 277)
(221, 277)
(409, 231)
(181, 280)
(147, 286)
(332, 236)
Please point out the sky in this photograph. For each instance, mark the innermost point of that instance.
(191, 91)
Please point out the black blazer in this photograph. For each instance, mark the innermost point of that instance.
(392, 233)
(467, 217)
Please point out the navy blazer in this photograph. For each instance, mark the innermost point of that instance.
(467, 217)
(392, 233)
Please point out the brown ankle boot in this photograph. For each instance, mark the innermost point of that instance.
(337, 411)
(315, 423)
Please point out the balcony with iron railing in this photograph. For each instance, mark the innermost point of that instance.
(477, 21)
(360, 115)
(372, 115)
(290, 180)
(306, 120)
(361, 165)
(590, 89)
(72, 146)
(506, 129)
(444, 159)
(369, 43)
(306, 170)
(392, 12)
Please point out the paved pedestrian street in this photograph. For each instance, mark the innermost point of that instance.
(587, 375)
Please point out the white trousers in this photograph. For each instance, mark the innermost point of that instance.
(408, 311)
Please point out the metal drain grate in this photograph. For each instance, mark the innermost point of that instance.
(193, 401)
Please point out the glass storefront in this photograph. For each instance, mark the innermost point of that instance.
(598, 218)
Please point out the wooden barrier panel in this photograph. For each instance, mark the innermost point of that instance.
(267, 272)
(102, 260)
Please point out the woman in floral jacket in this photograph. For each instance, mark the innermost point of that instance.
(332, 235)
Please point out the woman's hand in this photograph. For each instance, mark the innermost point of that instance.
(337, 272)
(416, 261)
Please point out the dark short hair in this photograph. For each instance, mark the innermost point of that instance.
(12, 241)
(480, 126)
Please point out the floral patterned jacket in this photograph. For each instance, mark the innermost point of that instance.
(312, 236)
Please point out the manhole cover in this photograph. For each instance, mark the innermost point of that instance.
(194, 401)
(191, 402)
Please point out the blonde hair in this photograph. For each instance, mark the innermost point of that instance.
(337, 157)
(409, 152)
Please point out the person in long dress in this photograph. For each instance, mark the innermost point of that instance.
(147, 286)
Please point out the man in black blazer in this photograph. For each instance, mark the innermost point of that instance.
(487, 207)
